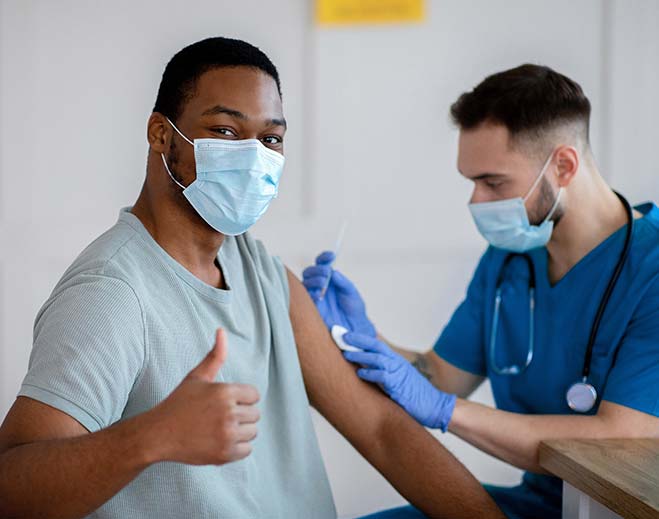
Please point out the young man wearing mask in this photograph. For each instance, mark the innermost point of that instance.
(124, 412)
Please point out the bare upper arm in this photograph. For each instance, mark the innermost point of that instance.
(30, 421)
(357, 409)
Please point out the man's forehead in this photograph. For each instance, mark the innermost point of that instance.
(247, 90)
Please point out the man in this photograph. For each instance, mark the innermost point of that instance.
(557, 233)
(125, 413)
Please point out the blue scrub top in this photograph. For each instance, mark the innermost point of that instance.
(625, 362)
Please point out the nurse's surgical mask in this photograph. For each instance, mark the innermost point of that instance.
(505, 223)
(236, 181)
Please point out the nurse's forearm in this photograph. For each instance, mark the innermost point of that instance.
(418, 359)
(507, 436)
(407, 354)
(515, 438)
(441, 374)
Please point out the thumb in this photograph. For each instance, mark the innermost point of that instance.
(208, 368)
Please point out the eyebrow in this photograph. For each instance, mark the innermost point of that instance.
(219, 109)
(279, 122)
(486, 176)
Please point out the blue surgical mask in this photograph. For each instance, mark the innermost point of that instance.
(236, 181)
(505, 223)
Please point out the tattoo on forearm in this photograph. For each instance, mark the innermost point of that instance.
(421, 364)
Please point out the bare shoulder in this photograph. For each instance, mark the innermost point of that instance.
(302, 310)
(332, 385)
(320, 360)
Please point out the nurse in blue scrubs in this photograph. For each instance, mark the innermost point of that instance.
(562, 314)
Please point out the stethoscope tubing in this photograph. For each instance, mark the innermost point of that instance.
(516, 370)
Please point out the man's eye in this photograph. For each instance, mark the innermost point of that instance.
(494, 183)
(272, 140)
(225, 131)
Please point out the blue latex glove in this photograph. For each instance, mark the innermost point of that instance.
(401, 381)
(341, 304)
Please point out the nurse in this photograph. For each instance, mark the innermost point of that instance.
(562, 314)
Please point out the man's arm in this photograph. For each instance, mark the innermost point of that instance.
(442, 374)
(51, 466)
(418, 466)
(516, 437)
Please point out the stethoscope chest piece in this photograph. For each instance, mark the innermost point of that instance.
(581, 397)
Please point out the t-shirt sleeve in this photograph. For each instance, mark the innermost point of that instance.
(634, 378)
(88, 350)
(461, 341)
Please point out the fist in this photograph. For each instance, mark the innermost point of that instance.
(203, 422)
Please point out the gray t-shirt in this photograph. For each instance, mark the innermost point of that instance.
(125, 325)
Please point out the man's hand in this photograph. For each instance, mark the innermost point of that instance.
(207, 423)
(337, 299)
(201, 422)
(401, 381)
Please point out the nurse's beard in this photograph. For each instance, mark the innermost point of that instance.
(543, 205)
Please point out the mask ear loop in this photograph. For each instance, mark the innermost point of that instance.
(162, 156)
(537, 180)
(164, 161)
(178, 131)
(553, 208)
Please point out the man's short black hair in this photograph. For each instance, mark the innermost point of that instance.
(529, 100)
(184, 69)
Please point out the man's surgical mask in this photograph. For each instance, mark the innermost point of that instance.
(505, 223)
(236, 181)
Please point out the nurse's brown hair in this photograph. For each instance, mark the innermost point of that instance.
(529, 100)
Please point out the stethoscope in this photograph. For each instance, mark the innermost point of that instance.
(581, 396)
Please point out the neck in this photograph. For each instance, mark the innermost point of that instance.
(593, 212)
(179, 230)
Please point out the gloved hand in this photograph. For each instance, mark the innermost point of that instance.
(401, 381)
(341, 304)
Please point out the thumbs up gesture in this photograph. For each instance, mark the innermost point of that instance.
(203, 422)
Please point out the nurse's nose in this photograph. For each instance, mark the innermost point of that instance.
(478, 195)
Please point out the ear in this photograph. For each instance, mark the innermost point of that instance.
(566, 159)
(158, 132)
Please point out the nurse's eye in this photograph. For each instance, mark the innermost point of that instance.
(493, 184)
(227, 132)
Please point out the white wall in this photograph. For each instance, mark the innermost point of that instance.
(369, 139)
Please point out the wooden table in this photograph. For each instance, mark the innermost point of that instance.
(605, 478)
